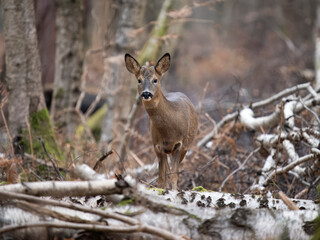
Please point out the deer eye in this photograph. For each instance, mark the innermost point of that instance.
(139, 81)
(155, 80)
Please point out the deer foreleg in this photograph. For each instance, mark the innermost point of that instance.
(164, 170)
(177, 157)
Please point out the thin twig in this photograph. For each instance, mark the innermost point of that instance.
(312, 91)
(41, 161)
(62, 224)
(313, 132)
(136, 158)
(203, 96)
(85, 125)
(101, 159)
(51, 160)
(238, 169)
(148, 184)
(37, 176)
(297, 176)
(280, 95)
(290, 166)
(222, 122)
(43, 211)
(298, 195)
(315, 182)
(205, 166)
(129, 124)
(288, 201)
(278, 149)
(8, 132)
(30, 140)
(80, 99)
(313, 113)
(93, 104)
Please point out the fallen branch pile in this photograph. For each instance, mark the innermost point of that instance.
(289, 136)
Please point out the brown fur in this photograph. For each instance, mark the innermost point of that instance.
(173, 121)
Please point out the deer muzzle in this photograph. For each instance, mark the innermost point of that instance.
(146, 95)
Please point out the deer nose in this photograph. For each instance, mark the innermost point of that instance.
(146, 95)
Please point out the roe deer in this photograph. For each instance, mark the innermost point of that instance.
(173, 121)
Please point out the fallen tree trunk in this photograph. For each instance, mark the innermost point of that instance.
(153, 213)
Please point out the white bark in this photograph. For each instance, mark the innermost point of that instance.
(310, 139)
(291, 107)
(65, 188)
(288, 113)
(262, 103)
(289, 167)
(290, 134)
(199, 215)
(270, 142)
(269, 163)
(293, 156)
(84, 172)
(247, 117)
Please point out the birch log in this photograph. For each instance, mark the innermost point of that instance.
(176, 215)
(65, 188)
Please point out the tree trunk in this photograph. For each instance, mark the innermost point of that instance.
(22, 63)
(317, 47)
(97, 24)
(151, 47)
(68, 64)
(23, 76)
(120, 102)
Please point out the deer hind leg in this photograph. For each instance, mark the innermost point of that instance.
(164, 170)
(177, 157)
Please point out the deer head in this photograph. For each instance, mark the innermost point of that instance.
(148, 77)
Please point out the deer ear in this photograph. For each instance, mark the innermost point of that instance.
(163, 64)
(131, 63)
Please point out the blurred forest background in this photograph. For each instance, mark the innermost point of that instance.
(225, 53)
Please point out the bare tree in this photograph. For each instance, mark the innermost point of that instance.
(23, 66)
(23, 74)
(68, 63)
(130, 19)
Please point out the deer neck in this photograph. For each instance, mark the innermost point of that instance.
(158, 108)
